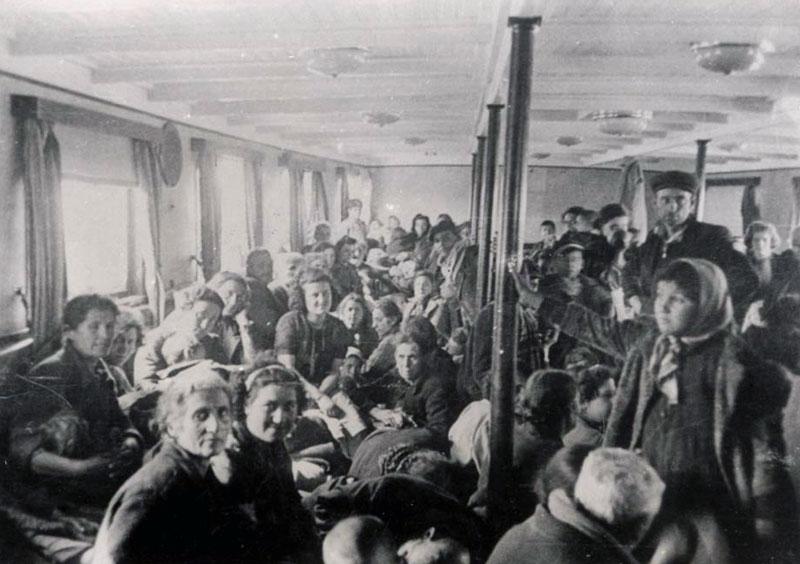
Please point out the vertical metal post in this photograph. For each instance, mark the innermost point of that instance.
(477, 188)
(700, 172)
(487, 205)
(517, 117)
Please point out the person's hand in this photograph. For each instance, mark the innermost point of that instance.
(99, 465)
(753, 316)
(635, 304)
(327, 406)
(243, 321)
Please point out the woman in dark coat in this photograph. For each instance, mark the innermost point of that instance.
(704, 412)
(256, 469)
(170, 510)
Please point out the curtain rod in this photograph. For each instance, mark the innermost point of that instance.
(117, 105)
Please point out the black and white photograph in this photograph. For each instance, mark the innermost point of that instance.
(400, 281)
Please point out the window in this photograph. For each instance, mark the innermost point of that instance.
(232, 201)
(98, 236)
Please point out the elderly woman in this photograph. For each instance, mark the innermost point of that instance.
(386, 319)
(777, 273)
(256, 468)
(169, 511)
(185, 335)
(69, 431)
(354, 313)
(704, 414)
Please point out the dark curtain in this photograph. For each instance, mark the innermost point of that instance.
(796, 202)
(633, 194)
(344, 194)
(148, 241)
(296, 209)
(210, 214)
(47, 273)
(751, 205)
(319, 206)
(254, 190)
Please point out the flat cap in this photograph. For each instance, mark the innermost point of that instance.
(609, 212)
(674, 179)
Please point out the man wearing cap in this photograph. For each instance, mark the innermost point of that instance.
(678, 234)
(458, 265)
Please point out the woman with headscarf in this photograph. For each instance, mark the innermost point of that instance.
(704, 413)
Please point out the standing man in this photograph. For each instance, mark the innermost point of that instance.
(458, 265)
(678, 234)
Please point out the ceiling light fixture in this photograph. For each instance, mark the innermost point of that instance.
(334, 61)
(540, 156)
(414, 141)
(569, 140)
(622, 123)
(729, 58)
(380, 118)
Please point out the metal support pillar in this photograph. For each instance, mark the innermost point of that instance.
(504, 334)
(477, 188)
(485, 256)
(700, 172)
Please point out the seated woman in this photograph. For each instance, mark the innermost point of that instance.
(596, 389)
(344, 275)
(185, 335)
(288, 267)
(256, 469)
(410, 395)
(355, 315)
(128, 335)
(169, 511)
(263, 308)
(427, 303)
(421, 226)
(69, 431)
(778, 274)
(312, 341)
(386, 319)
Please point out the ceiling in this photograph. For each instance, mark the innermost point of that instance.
(240, 67)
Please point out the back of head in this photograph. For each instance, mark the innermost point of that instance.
(362, 539)
(562, 472)
(546, 401)
(620, 489)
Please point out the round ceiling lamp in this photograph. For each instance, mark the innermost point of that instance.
(540, 156)
(729, 58)
(569, 140)
(414, 141)
(334, 61)
(622, 123)
(380, 118)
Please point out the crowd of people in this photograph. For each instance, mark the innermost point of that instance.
(334, 405)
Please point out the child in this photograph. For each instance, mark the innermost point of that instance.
(595, 395)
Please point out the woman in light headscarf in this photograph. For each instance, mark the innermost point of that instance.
(702, 411)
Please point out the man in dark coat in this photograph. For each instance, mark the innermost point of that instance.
(679, 234)
(616, 496)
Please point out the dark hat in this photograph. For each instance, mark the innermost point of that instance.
(568, 248)
(609, 212)
(674, 179)
(443, 226)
